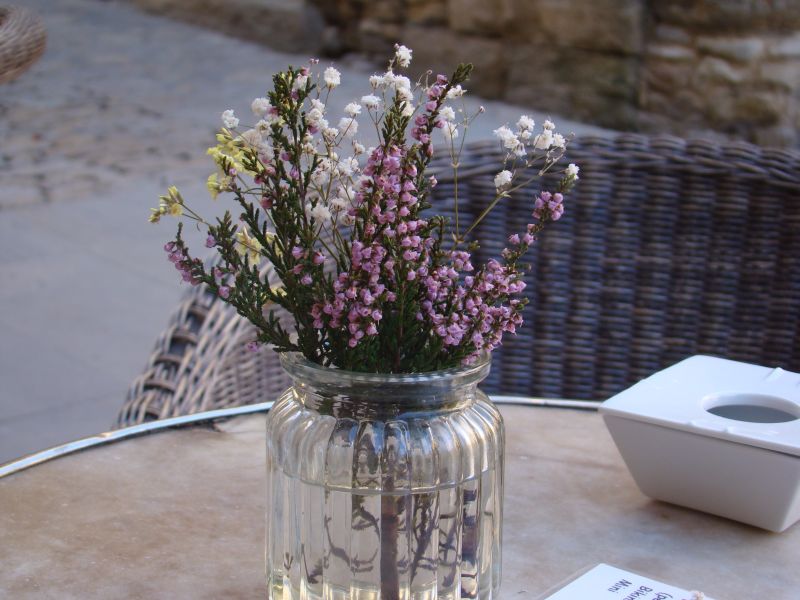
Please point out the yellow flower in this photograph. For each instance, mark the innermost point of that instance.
(277, 290)
(213, 186)
(227, 150)
(171, 204)
(248, 246)
(174, 194)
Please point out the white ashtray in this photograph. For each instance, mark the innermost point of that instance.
(715, 435)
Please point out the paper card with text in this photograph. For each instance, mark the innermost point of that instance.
(606, 582)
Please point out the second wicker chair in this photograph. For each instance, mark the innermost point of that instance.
(668, 248)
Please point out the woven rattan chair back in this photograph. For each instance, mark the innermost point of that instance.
(668, 248)
(22, 41)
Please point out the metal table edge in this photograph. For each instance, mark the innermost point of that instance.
(117, 435)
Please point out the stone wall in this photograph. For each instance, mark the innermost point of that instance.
(732, 66)
(681, 66)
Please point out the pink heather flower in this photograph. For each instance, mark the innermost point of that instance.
(306, 279)
(298, 252)
(514, 239)
(224, 291)
(253, 346)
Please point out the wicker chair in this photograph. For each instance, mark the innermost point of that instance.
(22, 41)
(668, 248)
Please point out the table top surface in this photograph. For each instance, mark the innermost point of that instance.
(180, 514)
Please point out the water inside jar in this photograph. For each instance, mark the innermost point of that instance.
(432, 544)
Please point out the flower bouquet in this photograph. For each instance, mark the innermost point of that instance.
(384, 460)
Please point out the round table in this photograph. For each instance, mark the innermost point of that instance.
(179, 513)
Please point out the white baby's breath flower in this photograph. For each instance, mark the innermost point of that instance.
(549, 125)
(321, 176)
(503, 133)
(370, 101)
(406, 95)
(263, 125)
(407, 109)
(508, 137)
(300, 82)
(352, 109)
(377, 81)
(403, 55)
(348, 166)
(309, 149)
(253, 138)
(544, 140)
(229, 120)
(318, 104)
(338, 203)
(358, 148)
(572, 170)
(398, 82)
(314, 117)
(265, 153)
(559, 141)
(447, 113)
(332, 77)
(349, 126)
(456, 92)
(320, 212)
(330, 133)
(525, 123)
(502, 179)
(450, 131)
(260, 106)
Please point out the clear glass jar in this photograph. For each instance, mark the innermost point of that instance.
(383, 487)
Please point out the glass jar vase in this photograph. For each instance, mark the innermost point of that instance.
(383, 487)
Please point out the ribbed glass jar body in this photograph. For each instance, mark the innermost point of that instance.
(383, 487)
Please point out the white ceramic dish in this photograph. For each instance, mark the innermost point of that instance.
(715, 435)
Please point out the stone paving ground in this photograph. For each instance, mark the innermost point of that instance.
(121, 104)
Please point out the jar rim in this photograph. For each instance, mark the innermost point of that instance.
(300, 368)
